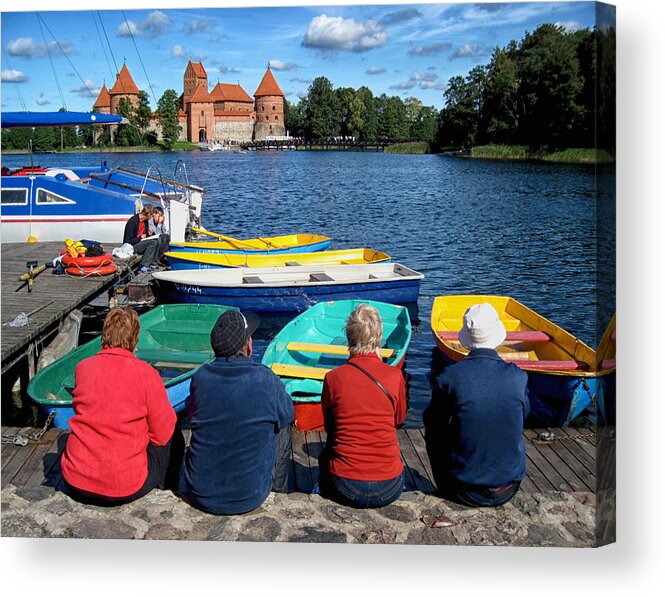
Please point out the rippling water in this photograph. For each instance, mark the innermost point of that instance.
(526, 230)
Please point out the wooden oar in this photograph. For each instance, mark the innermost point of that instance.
(234, 241)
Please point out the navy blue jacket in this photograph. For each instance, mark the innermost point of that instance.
(473, 425)
(236, 407)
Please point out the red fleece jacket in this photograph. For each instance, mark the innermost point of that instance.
(120, 405)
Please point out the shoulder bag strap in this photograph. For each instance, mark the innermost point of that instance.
(378, 383)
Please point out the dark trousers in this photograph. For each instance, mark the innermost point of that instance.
(164, 464)
(163, 240)
(358, 494)
(149, 249)
(473, 495)
(280, 474)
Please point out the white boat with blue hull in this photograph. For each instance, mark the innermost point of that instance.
(51, 204)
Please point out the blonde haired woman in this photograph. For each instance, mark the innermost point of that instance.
(363, 402)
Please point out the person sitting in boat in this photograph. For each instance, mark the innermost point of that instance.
(474, 422)
(137, 233)
(240, 417)
(363, 402)
(124, 439)
(157, 228)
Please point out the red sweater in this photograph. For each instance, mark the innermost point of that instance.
(360, 420)
(120, 405)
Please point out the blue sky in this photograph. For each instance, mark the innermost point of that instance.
(397, 49)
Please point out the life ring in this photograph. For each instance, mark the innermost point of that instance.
(93, 262)
(102, 270)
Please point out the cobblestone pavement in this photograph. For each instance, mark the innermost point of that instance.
(552, 519)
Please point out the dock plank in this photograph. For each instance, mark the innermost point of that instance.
(415, 468)
(302, 474)
(34, 463)
(12, 464)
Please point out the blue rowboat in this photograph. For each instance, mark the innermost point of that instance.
(174, 339)
(607, 373)
(314, 342)
(292, 288)
(561, 368)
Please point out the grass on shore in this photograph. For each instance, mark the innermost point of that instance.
(417, 147)
(522, 152)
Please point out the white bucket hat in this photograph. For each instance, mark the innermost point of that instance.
(482, 327)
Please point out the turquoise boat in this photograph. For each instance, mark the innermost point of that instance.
(174, 339)
(314, 342)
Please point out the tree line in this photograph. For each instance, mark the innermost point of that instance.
(540, 92)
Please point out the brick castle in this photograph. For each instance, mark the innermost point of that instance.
(226, 114)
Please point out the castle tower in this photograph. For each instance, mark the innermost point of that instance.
(103, 102)
(269, 106)
(195, 76)
(124, 87)
(200, 110)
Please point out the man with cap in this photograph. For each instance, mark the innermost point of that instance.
(474, 422)
(240, 417)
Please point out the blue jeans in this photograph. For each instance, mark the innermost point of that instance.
(360, 494)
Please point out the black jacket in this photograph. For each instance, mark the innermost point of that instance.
(131, 235)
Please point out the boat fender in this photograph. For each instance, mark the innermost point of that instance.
(92, 261)
(83, 272)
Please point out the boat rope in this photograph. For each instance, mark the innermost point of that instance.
(101, 22)
(22, 440)
(548, 437)
(85, 83)
(101, 43)
(50, 59)
(129, 29)
(17, 87)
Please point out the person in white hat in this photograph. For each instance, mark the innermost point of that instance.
(474, 422)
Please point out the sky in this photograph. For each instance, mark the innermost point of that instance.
(55, 58)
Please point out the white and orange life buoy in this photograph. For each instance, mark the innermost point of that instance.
(100, 270)
(87, 262)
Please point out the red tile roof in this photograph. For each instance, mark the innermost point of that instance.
(226, 92)
(268, 85)
(199, 71)
(201, 95)
(103, 99)
(124, 84)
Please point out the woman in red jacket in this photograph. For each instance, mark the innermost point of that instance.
(363, 401)
(124, 440)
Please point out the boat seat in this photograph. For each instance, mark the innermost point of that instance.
(291, 263)
(330, 349)
(299, 371)
(172, 356)
(251, 280)
(320, 277)
(613, 337)
(550, 365)
(608, 364)
(525, 336)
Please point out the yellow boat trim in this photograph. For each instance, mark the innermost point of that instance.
(331, 349)
(299, 371)
(263, 243)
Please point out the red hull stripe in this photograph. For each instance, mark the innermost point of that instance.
(58, 220)
(534, 336)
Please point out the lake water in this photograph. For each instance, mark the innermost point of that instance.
(527, 230)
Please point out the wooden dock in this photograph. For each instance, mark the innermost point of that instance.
(51, 300)
(568, 463)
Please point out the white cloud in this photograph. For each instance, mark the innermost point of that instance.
(41, 100)
(25, 47)
(280, 65)
(375, 70)
(155, 23)
(420, 80)
(89, 89)
(13, 76)
(337, 33)
(569, 26)
(178, 52)
(197, 25)
(471, 51)
(127, 28)
(430, 50)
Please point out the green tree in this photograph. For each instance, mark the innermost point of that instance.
(458, 122)
(370, 129)
(127, 135)
(550, 86)
(142, 113)
(392, 118)
(45, 139)
(167, 116)
(322, 111)
(356, 123)
(499, 115)
(425, 124)
(294, 118)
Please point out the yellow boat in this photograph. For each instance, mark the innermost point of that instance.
(561, 368)
(606, 367)
(290, 243)
(186, 260)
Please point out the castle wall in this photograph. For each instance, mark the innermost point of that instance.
(226, 129)
(269, 117)
(115, 100)
(235, 106)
